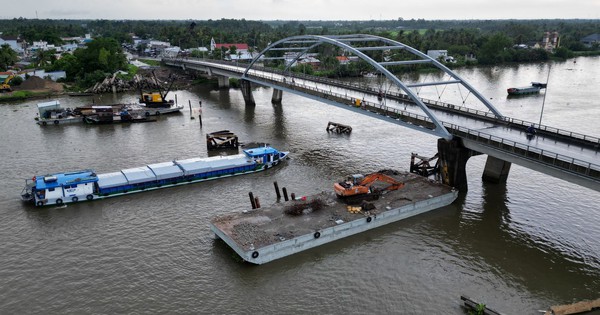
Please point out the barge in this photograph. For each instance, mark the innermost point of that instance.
(533, 89)
(51, 113)
(266, 234)
(86, 185)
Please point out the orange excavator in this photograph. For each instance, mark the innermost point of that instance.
(359, 187)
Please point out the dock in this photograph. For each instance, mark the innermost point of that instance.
(285, 228)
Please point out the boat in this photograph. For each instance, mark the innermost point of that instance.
(105, 115)
(86, 185)
(52, 113)
(75, 94)
(533, 89)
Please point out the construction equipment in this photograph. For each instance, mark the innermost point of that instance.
(358, 187)
(157, 99)
(5, 87)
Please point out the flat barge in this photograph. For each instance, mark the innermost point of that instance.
(266, 234)
(86, 185)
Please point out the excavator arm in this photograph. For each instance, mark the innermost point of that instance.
(353, 189)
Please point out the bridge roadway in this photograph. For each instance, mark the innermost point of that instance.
(567, 155)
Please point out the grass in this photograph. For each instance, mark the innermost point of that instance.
(22, 95)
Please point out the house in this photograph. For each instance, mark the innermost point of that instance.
(591, 40)
(551, 41)
(343, 60)
(238, 47)
(13, 42)
(440, 55)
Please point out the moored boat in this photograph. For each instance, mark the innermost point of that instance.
(61, 188)
(52, 113)
(533, 89)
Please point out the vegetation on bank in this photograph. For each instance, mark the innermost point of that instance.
(23, 95)
(489, 41)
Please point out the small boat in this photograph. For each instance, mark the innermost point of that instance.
(369, 75)
(80, 94)
(52, 113)
(61, 188)
(533, 89)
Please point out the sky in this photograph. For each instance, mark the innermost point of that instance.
(301, 9)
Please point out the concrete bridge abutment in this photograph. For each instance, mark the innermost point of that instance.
(246, 88)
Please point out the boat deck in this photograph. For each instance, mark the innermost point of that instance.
(265, 234)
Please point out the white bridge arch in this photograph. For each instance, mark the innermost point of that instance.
(303, 44)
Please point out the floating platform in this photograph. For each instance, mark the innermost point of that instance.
(338, 128)
(223, 139)
(266, 234)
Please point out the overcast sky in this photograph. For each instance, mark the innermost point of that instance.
(301, 9)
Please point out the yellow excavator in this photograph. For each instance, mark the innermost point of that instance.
(5, 87)
(358, 187)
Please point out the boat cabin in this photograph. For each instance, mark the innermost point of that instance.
(61, 186)
(263, 155)
(50, 110)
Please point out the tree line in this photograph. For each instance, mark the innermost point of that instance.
(491, 41)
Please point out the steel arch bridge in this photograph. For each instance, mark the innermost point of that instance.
(299, 46)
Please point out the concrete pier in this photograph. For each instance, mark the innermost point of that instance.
(246, 88)
(223, 82)
(277, 96)
(496, 170)
(453, 157)
(263, 235)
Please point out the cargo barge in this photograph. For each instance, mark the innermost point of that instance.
(266, 234)
(533, 89)
(51, 113)
(86, 185)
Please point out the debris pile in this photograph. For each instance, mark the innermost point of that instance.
(117, 84)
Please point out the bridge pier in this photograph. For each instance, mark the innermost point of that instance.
(246, 88)
(496, 170)
(277, 96)
(223, 82)
(453, 157)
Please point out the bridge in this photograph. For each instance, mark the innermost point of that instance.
(467, 126)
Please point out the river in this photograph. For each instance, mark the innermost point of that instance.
(519, 247)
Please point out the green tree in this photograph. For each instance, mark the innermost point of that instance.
(494, 49)
(8, 57)
(44, 58)
(103, 54)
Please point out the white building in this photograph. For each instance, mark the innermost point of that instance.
(11, 41)
(441, 54)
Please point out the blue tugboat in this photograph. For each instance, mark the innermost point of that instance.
(85, 185)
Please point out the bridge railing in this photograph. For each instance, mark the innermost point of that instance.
(543, 156)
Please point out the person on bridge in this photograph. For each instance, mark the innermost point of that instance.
(531, 130)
